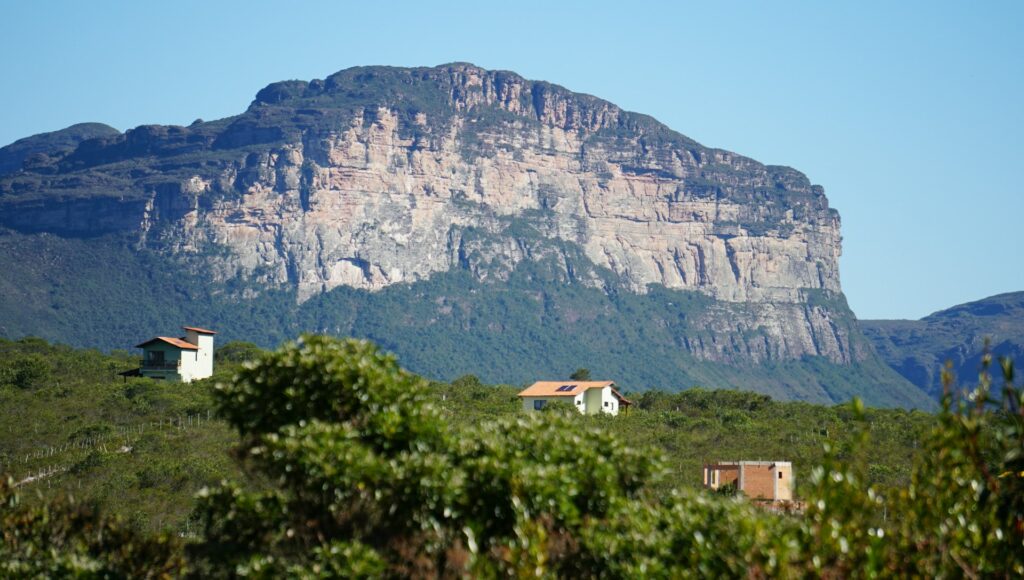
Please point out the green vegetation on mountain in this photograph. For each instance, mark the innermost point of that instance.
(539, 322)
(468, 220)
(961, 335)
(43, 149)
(143, 448)
(352, 467)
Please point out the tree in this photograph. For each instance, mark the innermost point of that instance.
(581, 374)
(371, 479)
(237, 351)
(26, 371)
(64, 539)
(355, 473)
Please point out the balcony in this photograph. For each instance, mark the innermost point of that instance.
(163, 365)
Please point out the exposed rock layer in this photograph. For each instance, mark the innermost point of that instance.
(373, 176)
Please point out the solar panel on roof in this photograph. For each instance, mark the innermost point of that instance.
(565, 388)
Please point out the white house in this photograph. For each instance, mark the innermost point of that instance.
(184, 359)
(589, 397)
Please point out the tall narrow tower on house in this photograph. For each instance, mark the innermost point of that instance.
(203, 339)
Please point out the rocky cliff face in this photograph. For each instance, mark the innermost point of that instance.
(373, 177)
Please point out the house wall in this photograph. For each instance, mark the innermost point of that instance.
(592, 401)
(716, 476)
(189, 365)
(528, 401)
(609, 403)
(203, 367)
(171, 355)
(784, 484)
(757, 481)
(589, 402)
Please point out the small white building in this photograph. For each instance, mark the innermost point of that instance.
(588, 397)
(184, 359)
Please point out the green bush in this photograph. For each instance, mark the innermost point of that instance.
(65, 539)
(369, 478)
(355, 471)
(237, 351)
(26, 371)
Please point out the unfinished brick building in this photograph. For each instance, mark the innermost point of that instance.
(765, 480)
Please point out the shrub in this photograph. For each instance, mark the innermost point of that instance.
(26, 371)
(65, 539)
(369, 479)
(356, 474)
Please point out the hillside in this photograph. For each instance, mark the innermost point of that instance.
(40, 150)
(142, 448)
(918, 349)
(472, 220)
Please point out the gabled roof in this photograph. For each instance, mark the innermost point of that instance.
(176, 342)
(199, 330)
(568, 389)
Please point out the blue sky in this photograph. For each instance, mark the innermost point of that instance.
(910, 114)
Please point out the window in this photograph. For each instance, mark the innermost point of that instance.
(607, 404)
(538, 405)
(780, 475)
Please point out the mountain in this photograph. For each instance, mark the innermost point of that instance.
(471, 220)
(918, 349)
(38, 151)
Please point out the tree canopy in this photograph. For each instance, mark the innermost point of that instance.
(355, 472)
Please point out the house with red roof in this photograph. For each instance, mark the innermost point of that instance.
(588, 397)
(184, 359)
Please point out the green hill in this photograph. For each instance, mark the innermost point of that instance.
(338, 463)
(143, 448)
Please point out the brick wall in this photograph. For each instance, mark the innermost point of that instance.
(758, 482)
(726, 474)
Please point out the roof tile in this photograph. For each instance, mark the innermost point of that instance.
(551, 389)
(180, 343)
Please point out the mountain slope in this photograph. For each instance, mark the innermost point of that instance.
(326, 197)
(918, 349)
(36, 151)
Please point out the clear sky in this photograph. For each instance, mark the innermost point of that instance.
(910, 114)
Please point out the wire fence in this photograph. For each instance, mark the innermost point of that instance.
(45, 462)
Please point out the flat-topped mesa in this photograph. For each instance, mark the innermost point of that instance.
(376, 175)
(463, 86)
(380, 194)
